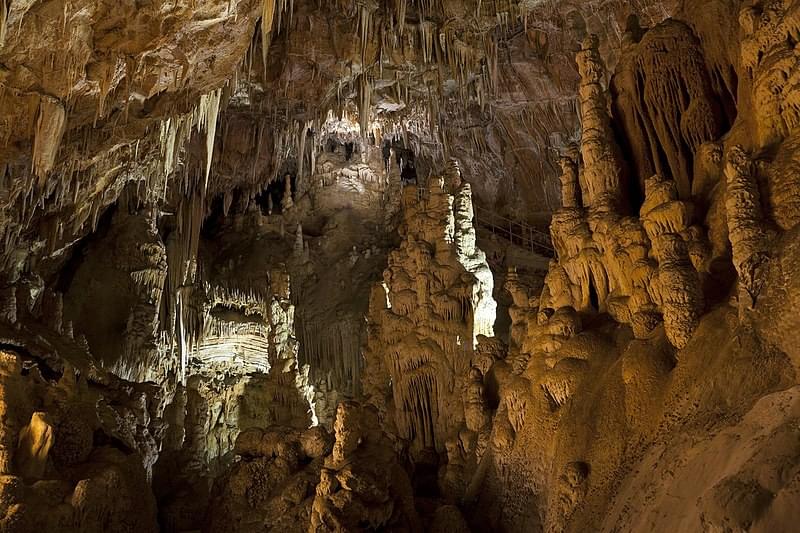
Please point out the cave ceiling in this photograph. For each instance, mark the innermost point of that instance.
(98, 95)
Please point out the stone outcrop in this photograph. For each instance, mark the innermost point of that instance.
(436, 298)
(78, 448)
(272, 487)
(261, 266)
(361, 484)
(635, 269)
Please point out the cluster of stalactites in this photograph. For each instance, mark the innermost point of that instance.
(261, 342)
(142, 328)
(175, 131)
(334, 347)
(467, 54)
(670, 100)
(260, 339)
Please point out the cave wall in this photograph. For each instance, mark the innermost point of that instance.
(191, 277)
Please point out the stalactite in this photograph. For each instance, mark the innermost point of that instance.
(50, 125)
(4, 9)
(208, 111)
(365, 103)
(267, 18)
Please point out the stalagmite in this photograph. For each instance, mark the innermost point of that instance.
(298, 241)
(602, 179)
(570, 191)
(287, 202)
(665, 220)
(745, 222)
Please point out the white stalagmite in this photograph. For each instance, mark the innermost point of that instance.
(474, 260)
(50, 125)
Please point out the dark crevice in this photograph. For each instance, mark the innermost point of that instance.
(79, 251)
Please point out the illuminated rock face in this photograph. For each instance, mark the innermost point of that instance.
(243, 284)
(436, 300)
(633, 268)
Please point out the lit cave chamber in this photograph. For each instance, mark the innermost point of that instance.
(442, 266)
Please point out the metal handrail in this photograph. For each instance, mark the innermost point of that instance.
(516, 232)
(508, 221)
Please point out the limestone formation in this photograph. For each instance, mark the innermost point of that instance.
(667, 222)
(287, 202)
(746, 225)
(285, 266)
(272, 487)
(361, 484)
(668, 103)
(438, 299)
(635, 269)
(602, 181)
(80, 457)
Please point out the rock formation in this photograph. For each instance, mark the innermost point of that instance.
(272, 488)
(437, 299)
(285, 266)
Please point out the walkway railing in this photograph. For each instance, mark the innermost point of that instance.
(518, 233)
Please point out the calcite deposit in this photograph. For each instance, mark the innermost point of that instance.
(388, 265)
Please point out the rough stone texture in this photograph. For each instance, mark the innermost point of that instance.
(362, 485)
(272, 487)
(436, 300)
(79, 439)
(248, 282)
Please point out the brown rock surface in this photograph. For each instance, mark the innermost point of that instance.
(283, 266)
